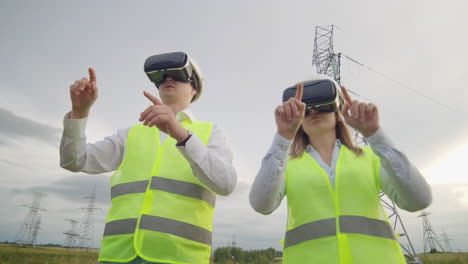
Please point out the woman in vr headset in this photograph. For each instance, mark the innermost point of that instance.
(333, 186)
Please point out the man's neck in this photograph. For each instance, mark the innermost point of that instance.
(177, 107)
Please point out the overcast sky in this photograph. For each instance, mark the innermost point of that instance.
(249, 51)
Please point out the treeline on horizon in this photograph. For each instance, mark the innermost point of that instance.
(238, 255)
(37, 245)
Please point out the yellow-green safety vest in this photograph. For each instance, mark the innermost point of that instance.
(345, 225)
(159, 211)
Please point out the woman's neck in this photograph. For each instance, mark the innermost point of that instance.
(324, 143)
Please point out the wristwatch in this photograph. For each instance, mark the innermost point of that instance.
(182, 144)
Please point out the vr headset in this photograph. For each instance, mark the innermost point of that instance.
(321, 95)
(175, 65)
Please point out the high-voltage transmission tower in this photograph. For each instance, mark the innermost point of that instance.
(28, 231)
(35, 230)
(87, 226)
(327, 62)
(430, 239)
(446, 240)
(71, 235)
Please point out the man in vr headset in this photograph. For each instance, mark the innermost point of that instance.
(333, 186)
(168, 170)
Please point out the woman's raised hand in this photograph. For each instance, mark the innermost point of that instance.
(290, 114)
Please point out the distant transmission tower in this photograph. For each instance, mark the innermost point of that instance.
(327, 62)
(430, 239)
(233, 243)
(71, 235)
(446, 240)
(35, 230)
(28, 231)
(88, 221)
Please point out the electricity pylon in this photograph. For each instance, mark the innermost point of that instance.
(88, 221)
(28, 231)
(446, 240)
(430, 239)
(71, 235)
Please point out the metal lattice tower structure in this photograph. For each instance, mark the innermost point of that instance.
(35, 230)
(28, 231)
(87, 225)
(327, 62)
(71, 235)
(399, 228)
(446, 240)
(233, 242)
(430, 239)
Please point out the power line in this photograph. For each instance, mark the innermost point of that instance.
(401, 84)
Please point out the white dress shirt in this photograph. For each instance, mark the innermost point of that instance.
(399, 179)
(211, 164)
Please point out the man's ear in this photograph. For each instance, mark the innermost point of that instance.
(194, 91)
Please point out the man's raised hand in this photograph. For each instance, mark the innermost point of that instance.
(161, 116)
(83, 94)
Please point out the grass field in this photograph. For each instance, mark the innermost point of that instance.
(444, 258)
(10, 254)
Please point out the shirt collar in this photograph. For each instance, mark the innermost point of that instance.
(185, 114)
(310, 149)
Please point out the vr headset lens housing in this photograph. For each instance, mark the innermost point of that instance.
(175, 65)
(321, 95)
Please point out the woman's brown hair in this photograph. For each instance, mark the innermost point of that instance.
(301, 140)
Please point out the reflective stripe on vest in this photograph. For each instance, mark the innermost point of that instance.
(348, 224)
(183, 188)
(127, 226)
(120, 227)
(168, 185)
(177, 228)
(127, 188)
(159, 224)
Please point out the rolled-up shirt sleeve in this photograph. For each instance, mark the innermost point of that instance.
(269, 186)
(400, 180)
(212, 163)
(77, 155)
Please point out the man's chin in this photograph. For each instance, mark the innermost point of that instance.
(168, 97)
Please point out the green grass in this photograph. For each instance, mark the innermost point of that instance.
(11, 254)
(444, 258)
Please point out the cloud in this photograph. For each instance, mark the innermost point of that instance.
(77, 187)
(17, 127)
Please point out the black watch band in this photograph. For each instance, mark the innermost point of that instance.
(182, 144)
